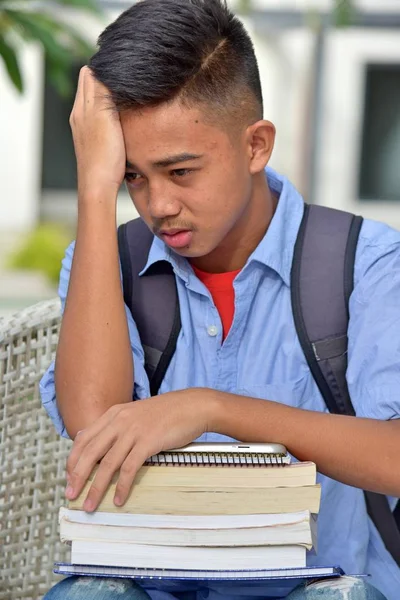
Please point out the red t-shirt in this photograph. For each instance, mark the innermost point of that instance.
(220, 286)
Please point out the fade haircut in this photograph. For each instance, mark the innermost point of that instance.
(196, 51)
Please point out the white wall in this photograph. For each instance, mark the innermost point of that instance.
(284, 62)
(20, 144)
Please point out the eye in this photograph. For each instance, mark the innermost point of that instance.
(134, 180)
(181, 172)
(132, 176)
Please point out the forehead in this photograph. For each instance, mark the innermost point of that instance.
(170, 127)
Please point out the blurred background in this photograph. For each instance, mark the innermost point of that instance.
(331, 80)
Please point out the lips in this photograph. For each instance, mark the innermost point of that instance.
(177, 238)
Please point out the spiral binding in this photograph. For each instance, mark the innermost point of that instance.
(231, 459)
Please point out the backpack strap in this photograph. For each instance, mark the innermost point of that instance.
(152, 299)
(322, 281)
(321, 284)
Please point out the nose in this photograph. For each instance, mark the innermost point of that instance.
(162, 203)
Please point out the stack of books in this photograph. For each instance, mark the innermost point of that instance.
(220, 509)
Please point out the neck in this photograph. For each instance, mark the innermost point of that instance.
(243, 239)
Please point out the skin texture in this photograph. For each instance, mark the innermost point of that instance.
(94, 366)
(224, 201)
(223, 197)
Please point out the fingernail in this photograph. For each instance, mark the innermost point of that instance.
(117, 501)
(88, 505)
(69, 492)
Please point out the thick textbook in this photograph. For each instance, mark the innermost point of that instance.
(175, 530)
(192, 499)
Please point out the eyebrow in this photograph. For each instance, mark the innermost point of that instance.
(169, 160)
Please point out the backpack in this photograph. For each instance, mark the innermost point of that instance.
(321, 285)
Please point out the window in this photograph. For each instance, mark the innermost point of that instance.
(380, 153)
(59, 165)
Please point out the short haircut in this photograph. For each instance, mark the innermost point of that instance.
(196, 51)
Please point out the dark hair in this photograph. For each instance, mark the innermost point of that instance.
(196, 50)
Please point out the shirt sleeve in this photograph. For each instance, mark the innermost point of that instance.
(373, 373)
(47, 383)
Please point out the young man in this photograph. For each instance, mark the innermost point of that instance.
(172, 103)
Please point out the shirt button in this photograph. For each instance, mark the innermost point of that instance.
(212, 330)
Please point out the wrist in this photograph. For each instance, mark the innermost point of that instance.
(216, 408)
(96, 203)
(96, 188)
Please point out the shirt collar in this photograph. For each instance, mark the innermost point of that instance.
(159, 252)
(275, 249)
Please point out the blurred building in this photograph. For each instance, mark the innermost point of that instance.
(333, 94)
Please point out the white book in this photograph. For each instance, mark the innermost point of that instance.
(187, 530)
(167, 557)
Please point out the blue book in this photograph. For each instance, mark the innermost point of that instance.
(172, 580)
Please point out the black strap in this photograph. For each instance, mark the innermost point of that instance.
(396, 514)
(319, 298)
(321, 285)
(152, 299)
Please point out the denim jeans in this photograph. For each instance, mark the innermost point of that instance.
(88, 588)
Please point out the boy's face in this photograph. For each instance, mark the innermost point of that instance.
(189, 180)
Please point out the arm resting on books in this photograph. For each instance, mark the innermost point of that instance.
(355, 451)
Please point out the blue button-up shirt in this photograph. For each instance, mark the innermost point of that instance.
(262, 358)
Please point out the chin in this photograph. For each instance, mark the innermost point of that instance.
(193, 251)
(188, 252)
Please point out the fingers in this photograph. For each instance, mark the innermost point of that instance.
(127, 474)
(88, 90)
(83, 438)
(98, 140)
(120, 454)
(89, 455)
(79, 96)
(94, 91)
(89, 447)
(103, 443)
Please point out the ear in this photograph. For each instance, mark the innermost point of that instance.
(260, 143)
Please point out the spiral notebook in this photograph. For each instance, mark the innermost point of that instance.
(223, 454)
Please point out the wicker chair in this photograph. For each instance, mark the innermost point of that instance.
(32, 456)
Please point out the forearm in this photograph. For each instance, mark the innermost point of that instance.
(94, 365)
(355, 451)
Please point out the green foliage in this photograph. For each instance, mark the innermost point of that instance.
(43, 251)
(343, 12)
(62, 43)
(245, 6)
